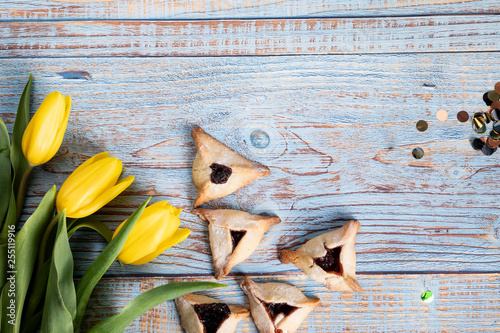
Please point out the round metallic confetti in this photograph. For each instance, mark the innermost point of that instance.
(486, 99)
(479, 123)
(477, 144)
(487, 116)
(494, 135)
(495, 105)
(487, 150)
(492, 143)
(493, 96)
(442, 115)
(480, 130)
(495, 114)
(418, 153)
(463, 116)
(422, 125)
(427, 296)
(497, 87)
(496, 128)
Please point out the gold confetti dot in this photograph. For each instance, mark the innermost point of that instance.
(493, 96)
(442, 115)
(422, 125)
(418, 153)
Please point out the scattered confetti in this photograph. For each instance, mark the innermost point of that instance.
(487, 150)
(477, 144)
(463, 116)
(422, 125)
(418, 153)
(427, 296)
(480, 120)
(493, 96)
(442, 115)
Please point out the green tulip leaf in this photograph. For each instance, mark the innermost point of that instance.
(101, 264)
(19, 162)
(95, 225)
(33, 323)
(60, 298)
(27, 242)
(5, 302)
(148, 300)
(37, 291)
(5, 171)
(9, 225)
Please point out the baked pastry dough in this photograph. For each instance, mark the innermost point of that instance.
(329, 258)
(219, 171)
(203, 314)
(234, 235)
(277, 307)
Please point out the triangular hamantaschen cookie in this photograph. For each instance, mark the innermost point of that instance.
(234, 235)
(219, 171)
(329, 258)
(203, 314)
(277, 307)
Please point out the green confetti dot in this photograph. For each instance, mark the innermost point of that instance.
(427, 296)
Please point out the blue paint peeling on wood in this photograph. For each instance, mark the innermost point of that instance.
(341, 128)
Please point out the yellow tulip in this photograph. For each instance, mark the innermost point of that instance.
(92, 185)
(44, 134)
(154, 232)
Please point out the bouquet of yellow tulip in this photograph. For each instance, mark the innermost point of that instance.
(36, 263)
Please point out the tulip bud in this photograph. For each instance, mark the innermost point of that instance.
(154, 232)
(91, 186)
(44, 134)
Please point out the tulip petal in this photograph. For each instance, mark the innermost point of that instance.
(81, 191)
(44, 128)
(145, 214)
(178, 237)
(102, 199)
(84, 165)
(61, 129)
(156, 225)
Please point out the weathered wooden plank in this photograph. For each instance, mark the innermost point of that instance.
(341, 132)
(200, 9)
(389, 303)
(468, 33)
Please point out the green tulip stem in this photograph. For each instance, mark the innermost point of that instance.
(43, 242)
(22, 191)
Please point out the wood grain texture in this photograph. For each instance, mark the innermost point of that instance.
(389, 303)
(468, 33)
(341, 132)
(201, 9)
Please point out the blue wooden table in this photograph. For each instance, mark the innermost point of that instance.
(338, 86)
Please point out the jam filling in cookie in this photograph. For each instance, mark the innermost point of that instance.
(274, 309)
(212, 315)
(236, 236)
(220, 173)
(330, 262)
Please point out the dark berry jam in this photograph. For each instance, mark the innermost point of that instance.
(212, 315)
(220, 173)
(274, 309)
(236, 236)
(330, 262)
